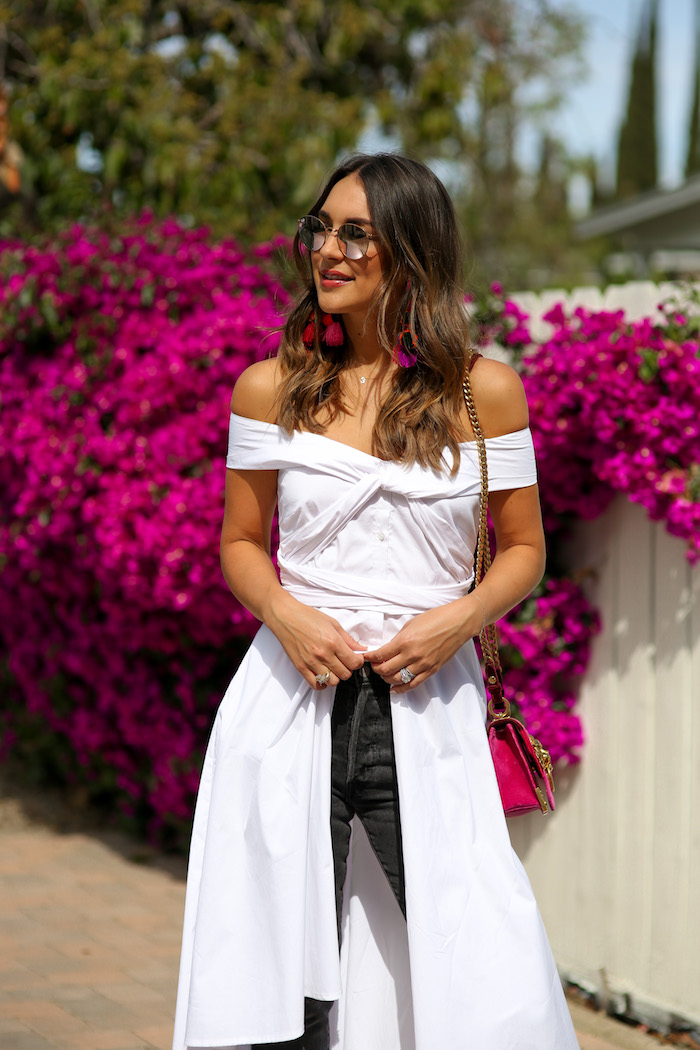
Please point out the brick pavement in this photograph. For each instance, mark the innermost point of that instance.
(89, 941)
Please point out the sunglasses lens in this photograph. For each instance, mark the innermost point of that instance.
(354, 241)
(312, 232)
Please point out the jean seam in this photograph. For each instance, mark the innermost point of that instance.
(355, 726)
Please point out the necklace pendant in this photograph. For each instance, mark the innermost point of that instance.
(363, 379)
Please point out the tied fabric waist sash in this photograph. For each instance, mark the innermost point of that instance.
(337, 590)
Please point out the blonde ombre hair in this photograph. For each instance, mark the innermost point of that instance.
(415, 222)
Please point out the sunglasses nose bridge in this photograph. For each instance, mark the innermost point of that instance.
(336, 244)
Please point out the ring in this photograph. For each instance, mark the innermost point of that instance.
(323, 679)
(406, 676)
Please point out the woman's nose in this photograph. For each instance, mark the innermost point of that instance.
(331, 246)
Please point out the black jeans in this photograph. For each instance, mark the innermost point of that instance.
(363, 783)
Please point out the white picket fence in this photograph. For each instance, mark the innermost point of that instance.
(616, 869)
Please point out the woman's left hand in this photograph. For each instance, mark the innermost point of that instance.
(426, 643)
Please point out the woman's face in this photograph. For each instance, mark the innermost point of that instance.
(346, 286)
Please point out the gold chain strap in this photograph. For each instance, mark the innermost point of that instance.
(498, 705)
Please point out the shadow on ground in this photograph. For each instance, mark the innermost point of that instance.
(25, 806)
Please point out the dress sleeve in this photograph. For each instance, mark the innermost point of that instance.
(256, 445)
(511, 461)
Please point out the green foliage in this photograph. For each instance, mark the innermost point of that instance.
(522, 230)
(230, 112)
(508, 70)
(637, 148)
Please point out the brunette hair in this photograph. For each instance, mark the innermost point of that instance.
(414, 219)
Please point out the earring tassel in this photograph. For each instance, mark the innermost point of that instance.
(308, 336)
(334, 334)
(406, 350)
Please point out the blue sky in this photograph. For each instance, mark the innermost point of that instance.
(590, 118)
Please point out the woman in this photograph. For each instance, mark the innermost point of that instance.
(361, 695)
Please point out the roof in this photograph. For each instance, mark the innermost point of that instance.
(623, 215)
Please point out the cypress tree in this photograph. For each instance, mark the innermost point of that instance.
(692, 159)
(637, 148)
(550, 189)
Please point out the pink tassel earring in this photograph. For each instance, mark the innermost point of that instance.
(405, 352)
(332, 333)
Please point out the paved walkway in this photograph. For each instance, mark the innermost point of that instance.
(89, 941)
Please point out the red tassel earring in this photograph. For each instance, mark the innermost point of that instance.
(332, 333)
(309, 334)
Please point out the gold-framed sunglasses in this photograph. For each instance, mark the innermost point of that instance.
(353, 240)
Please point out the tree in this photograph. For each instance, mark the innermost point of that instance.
(637, 147)
(512, 87)
(692, 160)
(231, 111)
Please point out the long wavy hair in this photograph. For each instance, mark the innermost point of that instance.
(414, 219)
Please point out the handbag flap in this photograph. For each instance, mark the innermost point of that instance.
(522, 766)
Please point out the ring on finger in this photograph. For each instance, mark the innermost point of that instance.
(406, 676)
(323, 679)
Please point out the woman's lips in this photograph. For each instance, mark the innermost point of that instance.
(333, 279)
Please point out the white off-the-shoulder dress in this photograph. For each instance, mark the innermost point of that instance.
(372, 543)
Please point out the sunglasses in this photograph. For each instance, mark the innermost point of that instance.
(353, 241)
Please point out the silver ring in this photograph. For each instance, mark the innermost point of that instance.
(323, 679)
(406, 676)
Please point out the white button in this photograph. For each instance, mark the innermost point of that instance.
(380, 536)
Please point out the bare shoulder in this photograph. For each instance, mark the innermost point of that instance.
(255, 391)
(499, 397)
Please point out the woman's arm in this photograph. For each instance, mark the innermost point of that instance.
(313, 641)
(516, 515)
(430, 639)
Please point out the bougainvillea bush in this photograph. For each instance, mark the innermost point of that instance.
(615, 408)
(117, 361)
(117, 358)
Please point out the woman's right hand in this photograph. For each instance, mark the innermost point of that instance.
(314, 641)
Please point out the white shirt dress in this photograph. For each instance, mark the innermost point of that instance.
(372, 543)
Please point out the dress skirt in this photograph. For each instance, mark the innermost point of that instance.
(469, 968)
